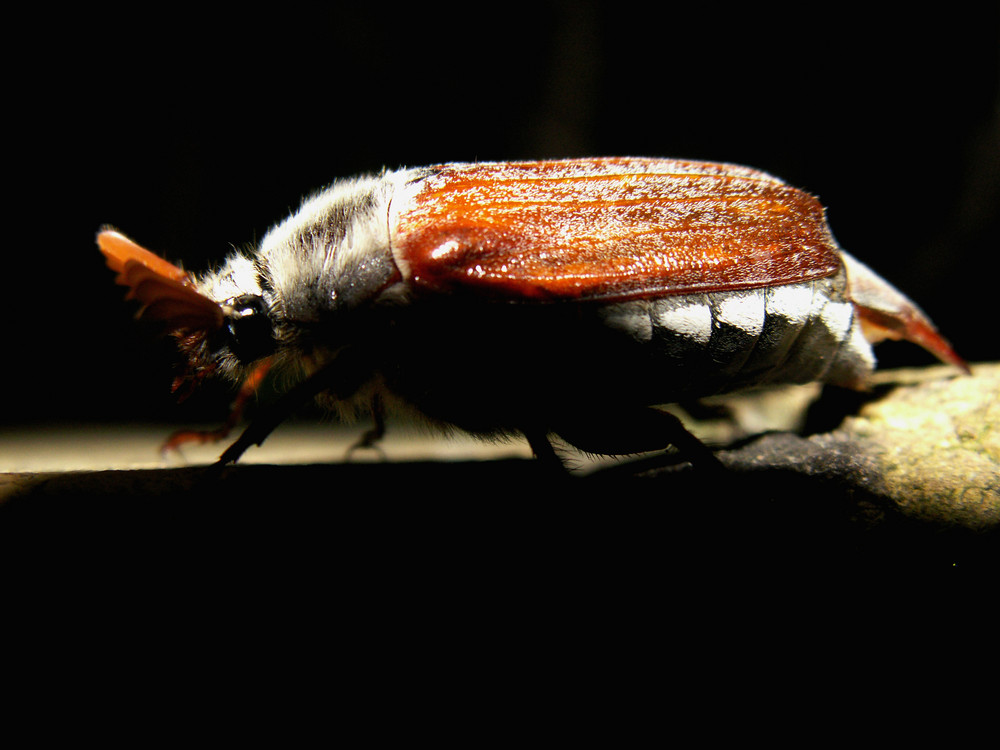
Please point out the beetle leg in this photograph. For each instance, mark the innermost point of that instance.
(270, 418)
(246, 392)
(341, 377)
(639, 430)
(371, 437)
(543, 450)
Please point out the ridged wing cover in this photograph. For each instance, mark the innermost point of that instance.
(606, 229)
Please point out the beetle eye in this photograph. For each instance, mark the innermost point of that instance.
(251, 335)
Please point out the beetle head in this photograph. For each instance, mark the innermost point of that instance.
(223, 322)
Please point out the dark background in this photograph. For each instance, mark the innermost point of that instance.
(192, 134)
(191, 131)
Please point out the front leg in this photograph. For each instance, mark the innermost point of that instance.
(341, 377)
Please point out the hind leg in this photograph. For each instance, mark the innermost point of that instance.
(637, 430)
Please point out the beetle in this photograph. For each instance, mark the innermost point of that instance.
(566, 297)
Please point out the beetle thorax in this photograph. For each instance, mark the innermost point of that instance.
(333, 254)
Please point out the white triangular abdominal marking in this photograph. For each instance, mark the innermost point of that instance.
(743, 310)
(688, 317)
